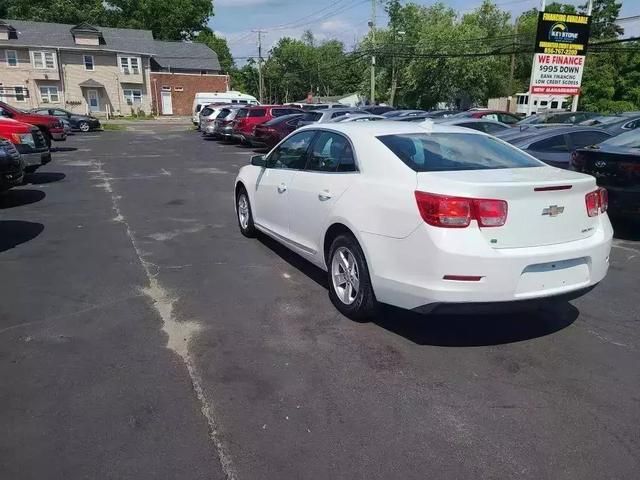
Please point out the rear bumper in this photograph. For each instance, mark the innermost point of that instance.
(409, 272)
(58, 135)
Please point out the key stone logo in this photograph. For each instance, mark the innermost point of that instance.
(559, 32)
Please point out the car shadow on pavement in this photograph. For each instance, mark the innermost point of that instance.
(18, 197)
(15, 232)
(472, 330)
(475, 330)
(40, 178)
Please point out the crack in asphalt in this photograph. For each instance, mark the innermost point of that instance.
(179, 333)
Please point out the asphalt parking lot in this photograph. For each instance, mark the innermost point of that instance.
(142, 337)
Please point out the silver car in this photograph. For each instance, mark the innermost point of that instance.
(208, 116)
(223, 125)
(325, 115)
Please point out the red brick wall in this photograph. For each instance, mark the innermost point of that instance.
(182, 101)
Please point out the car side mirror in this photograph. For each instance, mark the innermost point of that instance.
(259, 161)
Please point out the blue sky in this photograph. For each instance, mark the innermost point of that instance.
(345, 20)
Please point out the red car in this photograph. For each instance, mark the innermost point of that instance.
(270, 133)
(497, 115)
(248, 118)
(50, 126)
(28, 140)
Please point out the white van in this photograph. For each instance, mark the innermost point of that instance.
(204, 98)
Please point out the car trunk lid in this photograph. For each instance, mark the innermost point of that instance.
(545, 205)
(612, 167)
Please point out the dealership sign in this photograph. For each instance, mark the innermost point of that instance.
(561, 46)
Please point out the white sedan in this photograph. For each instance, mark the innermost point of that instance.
(426, 217)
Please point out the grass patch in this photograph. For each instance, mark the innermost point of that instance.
(113, 127)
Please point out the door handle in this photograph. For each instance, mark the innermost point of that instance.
(282, 188)
(324, 195)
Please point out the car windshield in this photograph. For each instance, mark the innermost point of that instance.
(442, 152)
(629, 139)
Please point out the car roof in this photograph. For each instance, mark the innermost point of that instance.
(455, 121)
(540, 134)
(388, 127)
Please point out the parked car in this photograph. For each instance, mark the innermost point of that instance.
(50, 126)
(208, 116)
(357, 117)
(481, 124)
(223, 125)
(84, 123)
(486, 114)
(615, 163)
(202, 99)
(554, 145)
(378, 109)
(403, 113)
(426, 220)
(270, 133)
(615, 124)
(28, 141)
(558, 117)
(325, 115)
(11, 166)
(244, 124)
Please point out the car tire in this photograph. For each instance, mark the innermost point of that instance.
(351, 294)
(244, 214)
(47, 136)
(84, 126)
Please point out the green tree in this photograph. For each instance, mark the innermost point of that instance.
(604, 16)
(218, 45)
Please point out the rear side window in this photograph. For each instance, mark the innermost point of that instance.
(257, 112)
(311, 116)
(339, 114)
(331, 153)
(584, 139)
(557, 143)
(508, 119)
(442, 152)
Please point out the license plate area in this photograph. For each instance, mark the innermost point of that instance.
(552, 277)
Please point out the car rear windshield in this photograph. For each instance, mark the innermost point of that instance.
(257, 112)
(443, 152)
(629, 140)
(206, 111)
(311, 116)
(223, 113)
(242, 113)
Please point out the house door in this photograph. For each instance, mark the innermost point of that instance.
(167, 106)
(93, 100)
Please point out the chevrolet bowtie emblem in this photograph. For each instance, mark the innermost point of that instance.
(552, 210)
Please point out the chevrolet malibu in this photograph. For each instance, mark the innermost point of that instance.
(427, 217)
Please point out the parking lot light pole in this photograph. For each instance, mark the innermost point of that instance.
(543, 4)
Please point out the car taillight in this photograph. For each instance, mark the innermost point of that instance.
(597, 202)
(457, 212)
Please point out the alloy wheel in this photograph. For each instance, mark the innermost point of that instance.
(243, 211)
(345, 275)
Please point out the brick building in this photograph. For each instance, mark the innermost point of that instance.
(105, 71)
(179, 71)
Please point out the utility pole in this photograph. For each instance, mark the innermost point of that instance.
(260, 78)
(394, 70)
(513, 59)
(543, 5)
(372, 26)
(574, 104)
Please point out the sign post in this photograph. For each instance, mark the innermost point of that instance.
(560, 49)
